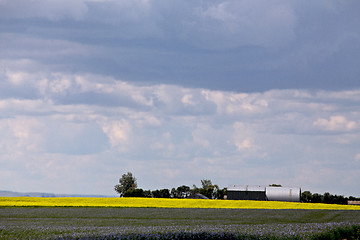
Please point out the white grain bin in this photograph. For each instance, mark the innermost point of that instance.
(287, 194)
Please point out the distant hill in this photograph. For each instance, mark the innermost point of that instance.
(39, 194)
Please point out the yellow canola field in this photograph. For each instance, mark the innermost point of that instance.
(162, 203)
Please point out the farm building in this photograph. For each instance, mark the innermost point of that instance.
(353, 202)
(287, 194)
(246, 192)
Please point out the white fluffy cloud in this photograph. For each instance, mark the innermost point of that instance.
(107, 122)
(336, 123)
(118, 132)
(242, 136)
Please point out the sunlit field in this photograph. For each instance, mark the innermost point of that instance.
(163, 203)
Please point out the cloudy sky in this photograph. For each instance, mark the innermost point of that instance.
(175, 91)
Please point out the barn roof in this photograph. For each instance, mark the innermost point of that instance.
(252, 188)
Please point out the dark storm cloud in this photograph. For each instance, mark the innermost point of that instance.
(228, 45)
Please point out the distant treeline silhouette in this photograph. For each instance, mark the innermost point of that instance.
(309, 197)
(127, 187)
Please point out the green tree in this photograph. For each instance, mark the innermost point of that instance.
(181, 192)
(127, 183)
(195, 189)
(306, 196)
(317, 198)
(206, 184)
(162, 193)
(138, 192)
(220, 193)
(147, 193)
(208, 189)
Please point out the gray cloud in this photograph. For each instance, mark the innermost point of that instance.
(241, 46)
(53, 10)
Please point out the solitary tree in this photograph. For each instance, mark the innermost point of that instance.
(127, 183)
(206, 184)
(208, 189)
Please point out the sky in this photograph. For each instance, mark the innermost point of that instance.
(175, 91)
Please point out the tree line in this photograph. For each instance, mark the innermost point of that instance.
(127, 187)
(309, 197)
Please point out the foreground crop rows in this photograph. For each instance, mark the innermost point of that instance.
(162, 223)
(264, 231)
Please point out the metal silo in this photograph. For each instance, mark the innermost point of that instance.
(288, 194)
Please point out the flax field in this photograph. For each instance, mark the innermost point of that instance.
(71, 218)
